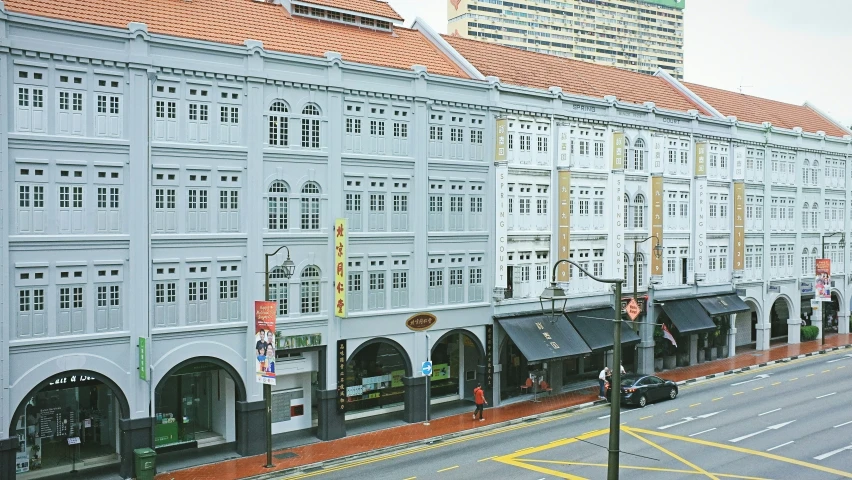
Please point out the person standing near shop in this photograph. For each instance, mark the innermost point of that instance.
(602, 382)
(479, 399)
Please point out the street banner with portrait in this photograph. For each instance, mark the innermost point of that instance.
(264, 337)
(822, 283)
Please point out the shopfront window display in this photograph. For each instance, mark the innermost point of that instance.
(184, 405)
(374, 378)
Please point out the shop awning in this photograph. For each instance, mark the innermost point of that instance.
(595, 326)
(538, 337)
(688, 316)
(723, 304)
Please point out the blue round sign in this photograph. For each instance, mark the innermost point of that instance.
(427, 368)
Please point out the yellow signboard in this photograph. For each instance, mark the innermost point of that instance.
(739, 225)
(657, 221)
(340, 246)
(563, 243)
(700, 159)
(618, 151)
(500, 140)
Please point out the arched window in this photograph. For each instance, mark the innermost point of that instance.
(806, 172)
(310, 289)
(627, 151)
(310, 206)
(278, 124)
(639, 155)
(639, 211)
(815, 174)
(815, 216)
(626, 269)
(805, 214)
(640, 269)
(310, 127)
(278, 291)
(626, 206)
(276, 204)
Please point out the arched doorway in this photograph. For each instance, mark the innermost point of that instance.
(746, 324)
(195, 405)
(70, 421)
(779, 313)
(832, 310)
(456, 357)
(374, 376)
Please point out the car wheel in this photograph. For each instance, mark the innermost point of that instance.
(642, 401)
(673, 393)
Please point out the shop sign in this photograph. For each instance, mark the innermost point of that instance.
(805, 288)
(70, 381)
(618, 151)
(563, 243)
(823, 280)
(739, 225)
(299, 341)
(421, 322)
(143, 359)
(500, 143)
(264, 337)
(489, 355)
(657, 220)
(340, 247)
(341, 375)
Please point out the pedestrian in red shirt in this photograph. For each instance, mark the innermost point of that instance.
(479, 399)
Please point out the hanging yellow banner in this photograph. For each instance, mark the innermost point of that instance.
(563, 243)
(657, 221)
(739, 225)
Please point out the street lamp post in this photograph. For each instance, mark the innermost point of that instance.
(658, 252)
(289, 267)
(842, 243)
(555, 293)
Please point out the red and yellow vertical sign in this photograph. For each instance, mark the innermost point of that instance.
(264, 337)
(563, 243)
(739, 225)
(340, 246)
(657, 220)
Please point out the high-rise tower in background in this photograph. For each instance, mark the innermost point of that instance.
(637, 35)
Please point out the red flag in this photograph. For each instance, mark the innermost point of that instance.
(668, 335)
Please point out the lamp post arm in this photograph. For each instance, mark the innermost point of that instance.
(597, 279)
(266, 269)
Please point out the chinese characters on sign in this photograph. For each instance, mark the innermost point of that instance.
(547, 337)
(564, 223)
(501, 140)
(340, 245)
(618, 151)
(822, 283)
(657, 220)
(421, 322)
(489, 355)
(264, 337)
(739, 225)
(700, 159)
(341, 375)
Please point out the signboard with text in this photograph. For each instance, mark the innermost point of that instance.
(264, 337)
(340, 284)
(143, 359)
(563, 242)
(822, 282)
(657, 220)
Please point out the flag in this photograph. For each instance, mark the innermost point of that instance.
(668, 335)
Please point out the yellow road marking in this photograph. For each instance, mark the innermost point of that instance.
(447, 469)
(645, 418)
(409, 478)
(794, 379)
(672, 410)
(739, 393)
(674, 455)
(626, 467)
(809, 375)
(717, 398)
(694, 405)
(484, 459)
(826, 371)
(757, 388)
(842, 366)
(590, 431)
(776, 383)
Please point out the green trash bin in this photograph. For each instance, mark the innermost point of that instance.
(146, 463)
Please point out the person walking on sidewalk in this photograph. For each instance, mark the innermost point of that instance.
(479, 399)
(602, 382)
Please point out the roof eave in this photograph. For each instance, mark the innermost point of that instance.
(444, 47)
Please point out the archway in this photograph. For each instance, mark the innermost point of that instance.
(746, 323)
(195, 405)
(780, 312)
(832, 311)
(80, 408)
(456, 358)
(374, 375)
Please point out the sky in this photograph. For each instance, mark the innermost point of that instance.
(786, 50)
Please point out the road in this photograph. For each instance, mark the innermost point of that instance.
(786, 421)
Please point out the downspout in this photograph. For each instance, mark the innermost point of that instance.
(152, 77)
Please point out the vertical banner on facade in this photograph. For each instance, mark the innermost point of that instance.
(822, 283)
(658, 144)
(564, 146)
(264, 337)
(500, 140)
(563, 242)
(340, 247)
(700, 159)
(615, 239)
(657, 220)
(699, 240)
(739, 225)
(341, 375)
(143, 358)
(739, 163)
(618, 152)
(489, 356)
(501, 233)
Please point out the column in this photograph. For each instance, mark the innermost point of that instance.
(415, 399)
(135, 433)
(645, 349)
(763, 329)
(8, 449)
(843, 321)
(817, 321)
(331, 423)
(493, 394)
(794, 330)
(732, 335)
(693, 349)
(250, 420)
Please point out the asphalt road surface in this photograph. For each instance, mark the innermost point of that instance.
(786, 421)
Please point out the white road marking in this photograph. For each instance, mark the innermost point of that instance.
(845, 357)
(827, 395)
(842, 424)
(771, 411)
(689, 419)
(756, 378)
(779, 446)
(773, 427)
(826, 455)
(703, 431)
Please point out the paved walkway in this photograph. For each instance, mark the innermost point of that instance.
(357, 444)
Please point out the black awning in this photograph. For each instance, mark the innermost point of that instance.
(723, 304)
(688, 316)
(595, 326)
(538, 337)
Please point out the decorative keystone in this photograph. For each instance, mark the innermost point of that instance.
(553, 90)
(419, 69)
(650, 105)
(693, 112)
(332, 56)
(251, 44)
(798, 130)
(732, 119)
(820, 133)
(610, 98)
(136, 27)
(492, 79)
(767, 125)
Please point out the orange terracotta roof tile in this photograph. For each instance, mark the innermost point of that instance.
(539, 70)
(371, 7)
(234, 21)
(753, 109)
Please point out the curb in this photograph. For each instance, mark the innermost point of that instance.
(440, 438)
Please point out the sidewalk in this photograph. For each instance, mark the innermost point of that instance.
(288, 459)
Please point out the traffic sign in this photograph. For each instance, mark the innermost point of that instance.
(427, 368)
(633, 309)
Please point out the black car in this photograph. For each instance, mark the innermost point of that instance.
(639, 389)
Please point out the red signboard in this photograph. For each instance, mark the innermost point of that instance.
(633, 309)
(264, 337)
